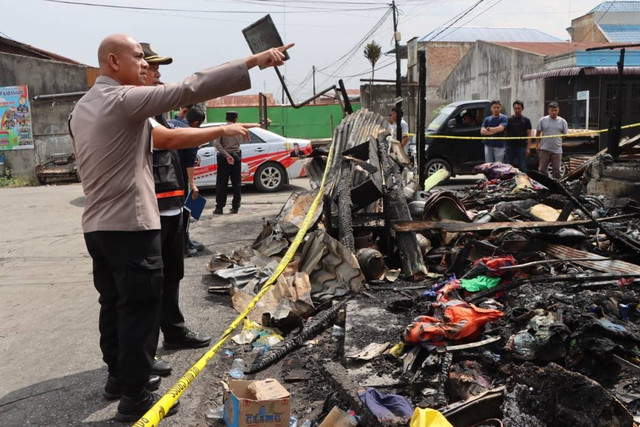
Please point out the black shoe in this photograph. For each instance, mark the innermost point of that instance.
(195, 245)
(113, 387)
(130, 409)
(189, 252)
(234, 210)
(160, 367)
(188, 340)
(217, 211)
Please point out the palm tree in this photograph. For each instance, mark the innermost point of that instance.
(372, 51)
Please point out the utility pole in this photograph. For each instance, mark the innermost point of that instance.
(615, 123)
(313, 72)
(396, 37)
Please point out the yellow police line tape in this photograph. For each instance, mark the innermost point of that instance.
(585, 133)
(160, 409)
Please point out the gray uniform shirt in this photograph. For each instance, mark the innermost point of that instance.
(228, 144)
(112, 143)
(549, 126)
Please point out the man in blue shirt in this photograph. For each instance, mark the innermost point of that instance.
(189, 160)
(494, 125)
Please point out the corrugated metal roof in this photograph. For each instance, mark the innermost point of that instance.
(622, 33)
(471, 34)
(573, 71)
(23, 49)
(597, 262)
(617, 6)
(550, 49)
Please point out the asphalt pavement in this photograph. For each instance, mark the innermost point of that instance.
(51, 370)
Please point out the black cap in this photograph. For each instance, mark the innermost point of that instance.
(231, 115)
(152, 57)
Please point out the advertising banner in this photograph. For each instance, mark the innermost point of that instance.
(15, 118)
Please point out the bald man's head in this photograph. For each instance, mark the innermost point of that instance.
(121, 57)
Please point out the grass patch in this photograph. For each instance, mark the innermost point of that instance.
(18, 181)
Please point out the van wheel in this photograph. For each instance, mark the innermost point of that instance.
(434, 165)
(270, 177)
(563, 170)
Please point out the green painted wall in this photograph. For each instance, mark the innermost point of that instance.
(311, 122)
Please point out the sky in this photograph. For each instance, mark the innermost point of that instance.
(329, 35)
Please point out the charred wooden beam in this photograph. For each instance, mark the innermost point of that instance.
(367, 182)
(617, 237)
(441, 395)
(546, 279)
(413, 267)
(345, 218)
(278, 351)
(339, 378)
(462, 227)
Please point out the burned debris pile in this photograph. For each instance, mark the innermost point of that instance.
(514, 301)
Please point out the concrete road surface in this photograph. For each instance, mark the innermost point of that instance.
(51, 368)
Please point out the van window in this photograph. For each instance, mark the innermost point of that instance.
(440, 118)
(469, 118)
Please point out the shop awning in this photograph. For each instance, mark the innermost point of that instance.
(574, 71)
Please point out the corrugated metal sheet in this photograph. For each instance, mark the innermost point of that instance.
(23, 49)
(573, 71)
(549, 48)
(622, 33)
(617, 6)
(472, 34)
(599, 263)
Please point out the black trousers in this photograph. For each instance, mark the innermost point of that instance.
(127, 272)
(225, 170)
(172, 323)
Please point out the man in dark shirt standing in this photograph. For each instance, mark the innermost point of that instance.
(168, 173)
(517, 149)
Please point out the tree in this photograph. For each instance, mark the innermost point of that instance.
(372, 51)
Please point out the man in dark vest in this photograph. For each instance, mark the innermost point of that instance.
(170, 192)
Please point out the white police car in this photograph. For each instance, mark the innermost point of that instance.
(267, 160)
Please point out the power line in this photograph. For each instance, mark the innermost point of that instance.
(491, 6)
(351, 51)
(456, 19)
(155, 9)
(290, 2)
(359, 74)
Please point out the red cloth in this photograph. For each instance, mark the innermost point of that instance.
(493, 264)
(461, 321)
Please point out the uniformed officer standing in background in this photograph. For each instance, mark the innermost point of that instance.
(229, 165)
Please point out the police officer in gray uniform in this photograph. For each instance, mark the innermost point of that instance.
(229, 165)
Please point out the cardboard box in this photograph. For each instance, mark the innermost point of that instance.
(243, 409)
(269, 389)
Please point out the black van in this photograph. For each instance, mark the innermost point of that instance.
(460, 156)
